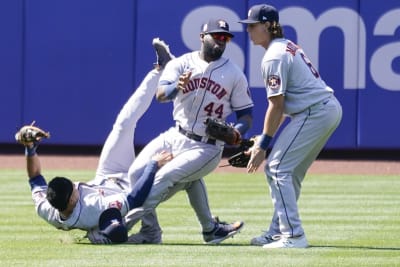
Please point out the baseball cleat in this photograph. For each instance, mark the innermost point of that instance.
(145, 238)
(162, 52)
(288, 242)
(222, 231)
(263, 239)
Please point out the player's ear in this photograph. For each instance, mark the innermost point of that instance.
(267, 25)
(201, 36)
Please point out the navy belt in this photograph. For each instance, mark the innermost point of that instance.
(196, 137)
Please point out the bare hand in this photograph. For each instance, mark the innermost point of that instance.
(162, 158)
(257, 156)
(184, 80)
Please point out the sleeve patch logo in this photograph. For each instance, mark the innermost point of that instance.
(274, 82)
(115, 204)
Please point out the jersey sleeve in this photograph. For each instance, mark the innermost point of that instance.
(241, 96)
(172, 71)
(274, 73)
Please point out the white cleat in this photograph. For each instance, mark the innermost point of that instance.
(288, 242)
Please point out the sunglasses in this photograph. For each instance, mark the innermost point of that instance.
(220, 36)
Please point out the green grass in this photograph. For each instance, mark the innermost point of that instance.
(349, 221)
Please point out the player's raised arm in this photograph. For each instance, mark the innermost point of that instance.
(167, 91)
(33, 166)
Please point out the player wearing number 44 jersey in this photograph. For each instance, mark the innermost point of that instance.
(294, 89)
(202, 85)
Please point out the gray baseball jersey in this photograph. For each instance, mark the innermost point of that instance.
(215, 90)
(288, 71)
(315, 114)
(93, 200)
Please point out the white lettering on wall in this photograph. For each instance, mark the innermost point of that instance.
(381, 61)
(308, 30)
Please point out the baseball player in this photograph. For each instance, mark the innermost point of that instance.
(201, 84)
(67, 205)
(294, 89)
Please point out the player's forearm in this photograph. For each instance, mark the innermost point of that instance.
(167, 92)
(244, 120)
(272, 121)
(274, 115)
(33, 166)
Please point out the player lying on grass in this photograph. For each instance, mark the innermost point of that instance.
(68, 205)
(75, 205)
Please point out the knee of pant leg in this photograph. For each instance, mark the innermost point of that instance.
(277, 168)
(271, 168)
(277, 174)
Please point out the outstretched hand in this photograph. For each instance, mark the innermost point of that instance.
(257, 156)
(162, 158)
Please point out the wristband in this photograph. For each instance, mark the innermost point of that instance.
(264, 141)
(37, 181)
(242, 126)
(30, 151)
(170, 90)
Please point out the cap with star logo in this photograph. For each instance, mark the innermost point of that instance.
(216, 26)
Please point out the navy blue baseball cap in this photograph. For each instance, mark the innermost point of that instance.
(261, 13)
(216, 26)
(112, 226)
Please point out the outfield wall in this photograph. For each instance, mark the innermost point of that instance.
(70, 65)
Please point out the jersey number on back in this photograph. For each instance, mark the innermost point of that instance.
(309, 64)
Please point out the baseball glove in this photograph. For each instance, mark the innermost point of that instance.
(30, 134)
(239, 160)
(222, 131)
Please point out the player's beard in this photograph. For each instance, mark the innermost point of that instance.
(213, 51)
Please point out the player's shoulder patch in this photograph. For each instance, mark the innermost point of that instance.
(274, 82)
(115, 204)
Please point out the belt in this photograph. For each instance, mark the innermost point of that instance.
(322, 102)
(196, 137)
